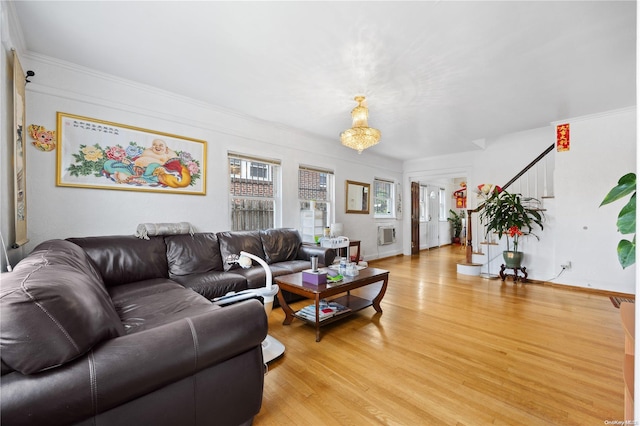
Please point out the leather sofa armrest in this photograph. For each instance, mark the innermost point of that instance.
(127, 367)
(325, 255)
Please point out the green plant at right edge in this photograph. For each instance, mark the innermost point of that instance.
(626, 218)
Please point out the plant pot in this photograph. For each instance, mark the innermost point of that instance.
(512, 259)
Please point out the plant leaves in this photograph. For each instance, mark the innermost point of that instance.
(627, 252)
(626, 185)
(626, 222)
(627, 217)
(504, 210)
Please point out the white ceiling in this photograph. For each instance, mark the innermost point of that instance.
(437, 75)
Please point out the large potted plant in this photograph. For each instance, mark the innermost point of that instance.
(456, 222)
(626, 222)
(514, 216)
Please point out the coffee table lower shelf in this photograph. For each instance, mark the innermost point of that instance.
(354, 303)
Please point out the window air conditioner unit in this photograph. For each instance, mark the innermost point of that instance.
(386, 235)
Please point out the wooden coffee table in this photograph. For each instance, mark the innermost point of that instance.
(293, 283)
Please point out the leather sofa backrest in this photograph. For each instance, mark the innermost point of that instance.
(193, 254)
(123, 259)
(280, 245)
(233, 242)
(53, 309)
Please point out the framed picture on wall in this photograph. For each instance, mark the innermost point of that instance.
(104, 155)
(357, 197)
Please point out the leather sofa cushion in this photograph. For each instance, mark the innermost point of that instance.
(134, 375)
(152, 303)
(280, 245)
(53, 310)
(123, 259)
(290, 267)
(233, 242)
(213, 284)
(193, 254)
(62, 252)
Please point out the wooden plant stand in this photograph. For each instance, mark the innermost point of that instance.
(515, 275)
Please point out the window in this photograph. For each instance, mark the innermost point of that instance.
(258, 170)
(383, 198)
(254, 190)
(423, 203)
(235, 167)
(316, 185)
(443, 205)
(428, 197)
(252, 169)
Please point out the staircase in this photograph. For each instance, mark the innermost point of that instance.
(535, 180)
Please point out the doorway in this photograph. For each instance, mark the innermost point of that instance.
(432, 198)
(415, 217)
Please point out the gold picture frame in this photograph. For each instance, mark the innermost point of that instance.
(101, 154)
(357, 197)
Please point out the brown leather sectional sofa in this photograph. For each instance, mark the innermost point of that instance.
(116, 330)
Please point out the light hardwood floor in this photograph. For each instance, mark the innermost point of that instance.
(452, 349)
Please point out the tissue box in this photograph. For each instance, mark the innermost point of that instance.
(317, 277)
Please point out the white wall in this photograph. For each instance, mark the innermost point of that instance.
(603, 148)
(60, 212)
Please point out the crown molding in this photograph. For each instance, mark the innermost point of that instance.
(277, 130)
(152, 90)
(72, 67)
(12, 34)
(597, 115)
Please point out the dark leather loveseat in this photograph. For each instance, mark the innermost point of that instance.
(117, 330)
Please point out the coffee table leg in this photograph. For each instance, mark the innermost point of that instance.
(378, 298)
(317, 317)
(288, 312)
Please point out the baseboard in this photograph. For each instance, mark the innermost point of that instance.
(582, 289)
(382, 258)
(544, 283)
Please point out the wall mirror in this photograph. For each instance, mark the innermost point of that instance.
(357, 197)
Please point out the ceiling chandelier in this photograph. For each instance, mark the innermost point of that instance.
(360, 136)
